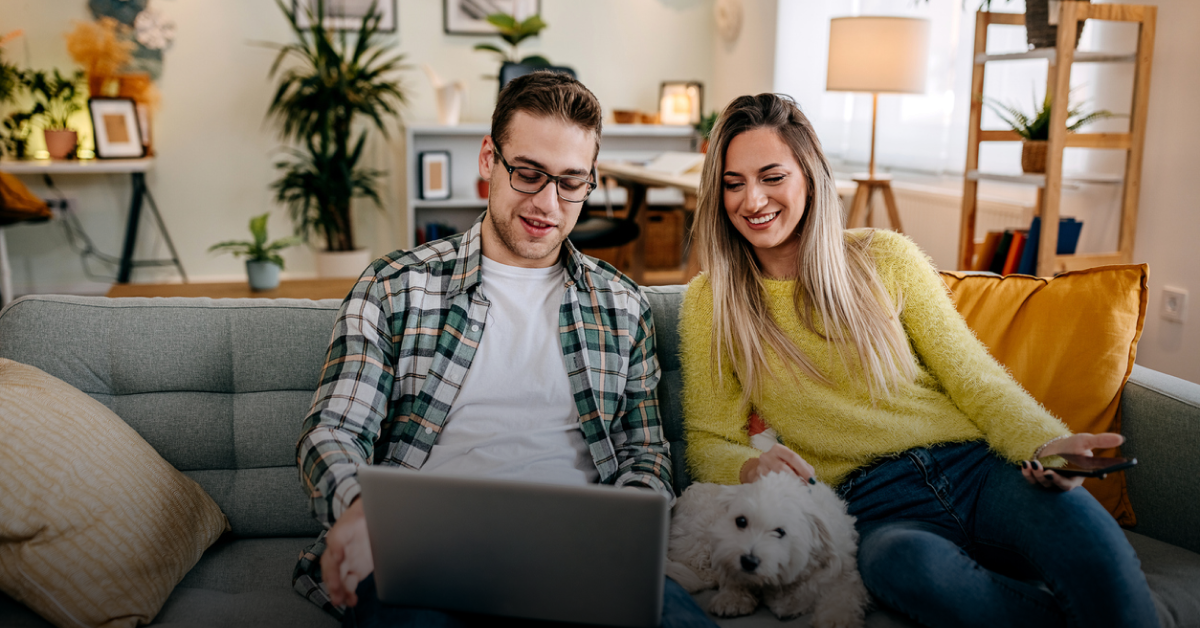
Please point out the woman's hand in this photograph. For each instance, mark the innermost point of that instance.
(778, 459)
(1081, 444)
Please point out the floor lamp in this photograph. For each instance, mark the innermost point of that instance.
(877, 55)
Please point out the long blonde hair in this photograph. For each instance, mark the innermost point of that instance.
(836, 277)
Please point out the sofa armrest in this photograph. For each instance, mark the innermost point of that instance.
(1160, 417)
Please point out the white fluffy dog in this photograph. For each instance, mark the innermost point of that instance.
(780, 539)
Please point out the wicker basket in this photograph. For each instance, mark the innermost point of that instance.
(1039, 32)
(1033, 156)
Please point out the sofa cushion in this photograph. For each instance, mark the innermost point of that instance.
(1070, 341)
(96, 527)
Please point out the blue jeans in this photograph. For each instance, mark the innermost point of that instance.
(953, 535)
(679, 611)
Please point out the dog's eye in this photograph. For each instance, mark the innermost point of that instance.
(779, 532)
(740, 521)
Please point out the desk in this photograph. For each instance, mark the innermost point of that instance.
(636, 179)
(290, 289)
(137, 169)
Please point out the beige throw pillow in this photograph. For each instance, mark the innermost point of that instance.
(96, 528)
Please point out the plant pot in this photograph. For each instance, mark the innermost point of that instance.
(1033, 156)
(60, 144)
(263, 274)
(1040, 32)
(334, 264)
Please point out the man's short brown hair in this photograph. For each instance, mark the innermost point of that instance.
(547, 94)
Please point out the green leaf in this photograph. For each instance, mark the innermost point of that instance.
(538, 60)
(503, 21)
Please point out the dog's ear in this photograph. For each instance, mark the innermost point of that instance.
(824, 555)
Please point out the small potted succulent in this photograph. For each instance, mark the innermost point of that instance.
(264, 261)
(56, 98)
(704, 129)
(1035, 130)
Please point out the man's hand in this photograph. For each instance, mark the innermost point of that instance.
(347, 558)
(1081, 444)
(777, 459)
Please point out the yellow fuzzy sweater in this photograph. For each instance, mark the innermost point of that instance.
(960, 393)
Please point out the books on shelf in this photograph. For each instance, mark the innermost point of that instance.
(1016, 250)
(1068, 239)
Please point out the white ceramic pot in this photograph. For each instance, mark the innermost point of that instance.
(331, 264)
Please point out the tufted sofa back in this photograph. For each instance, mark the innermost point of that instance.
(219, 387)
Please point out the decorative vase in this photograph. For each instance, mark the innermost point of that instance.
(1041, 23)
(263, 274)
(334, 264)
(1033, 156)
(60, 144)
(482, 188)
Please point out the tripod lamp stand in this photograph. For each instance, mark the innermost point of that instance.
(877, 55)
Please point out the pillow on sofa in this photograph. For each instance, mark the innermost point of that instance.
(1070, 341)
(95, 527)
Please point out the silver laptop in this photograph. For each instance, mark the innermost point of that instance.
(586, 554)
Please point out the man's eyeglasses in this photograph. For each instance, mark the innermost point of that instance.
(532, 181)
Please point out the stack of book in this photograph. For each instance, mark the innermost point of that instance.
(434, 231)
(1016, 250)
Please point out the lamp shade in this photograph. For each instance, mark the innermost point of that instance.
(877, 54)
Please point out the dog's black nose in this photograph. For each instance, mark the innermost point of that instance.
(749, 562)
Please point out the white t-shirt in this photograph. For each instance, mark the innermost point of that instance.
(515, 417)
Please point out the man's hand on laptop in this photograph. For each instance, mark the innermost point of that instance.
(347, 558)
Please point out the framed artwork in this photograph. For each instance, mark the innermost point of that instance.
(469, 17)
(116, 128)
(680, 102)
(347, 15)
(433, 174)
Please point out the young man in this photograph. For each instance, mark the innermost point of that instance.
(500, 352)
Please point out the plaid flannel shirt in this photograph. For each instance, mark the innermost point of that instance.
(402, 343)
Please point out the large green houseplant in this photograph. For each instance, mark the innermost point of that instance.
(333, 88)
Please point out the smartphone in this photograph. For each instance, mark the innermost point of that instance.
(1091, 466)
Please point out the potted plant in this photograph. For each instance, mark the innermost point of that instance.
(56, 98)
(514, 32)
(704, 129)
(15, 131)
(1035, 130)
(335, 85)
(264, 261)
(1040, 31)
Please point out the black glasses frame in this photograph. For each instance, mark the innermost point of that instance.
(591, 185)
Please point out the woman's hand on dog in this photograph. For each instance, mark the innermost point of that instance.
(347, 558)
(1081, 444)
(778, 459)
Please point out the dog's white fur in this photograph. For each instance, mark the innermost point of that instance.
(800, 536)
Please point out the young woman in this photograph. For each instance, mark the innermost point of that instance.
(846, 343)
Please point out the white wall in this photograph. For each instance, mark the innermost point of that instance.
(215, 152)
(745, 65)
(1168, 234)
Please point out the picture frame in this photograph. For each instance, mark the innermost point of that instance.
(680, 102)
(116, 128)
(433, 175)
(346, 15)
(468, 17)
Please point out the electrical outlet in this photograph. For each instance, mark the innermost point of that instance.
(1174, 304)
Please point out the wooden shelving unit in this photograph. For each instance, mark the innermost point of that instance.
(1058, 81)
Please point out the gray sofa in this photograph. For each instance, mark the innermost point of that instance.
(219, 388)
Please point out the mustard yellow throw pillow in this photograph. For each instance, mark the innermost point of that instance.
(1070, 341)
(96, 528)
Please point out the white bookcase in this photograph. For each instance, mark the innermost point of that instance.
(632, 142)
